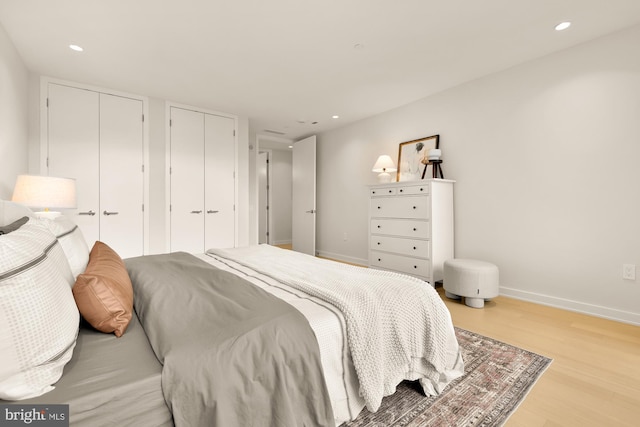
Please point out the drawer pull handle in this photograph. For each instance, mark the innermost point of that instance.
(421, 189)
(414, 248)
(414, 207)
(390, 191)
(379, 226)
(90, 213)
(401, 190)
(415, 229)
(196, 212)
(374, 192)
(379, 207)
(379, 259)
(379, 243)
(415, 266)
(109, 213)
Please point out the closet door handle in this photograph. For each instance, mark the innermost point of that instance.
(196, 212)
(311, 211)
(109, 213)
(210, 211)
(90, 213)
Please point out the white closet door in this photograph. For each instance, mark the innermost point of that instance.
(121, 175)
(73, 151)
(219, 181)
(187, 180)
(303, 227)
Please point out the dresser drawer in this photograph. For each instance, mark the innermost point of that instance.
(403, 264)
(377, 192)
(400, 207)
(412, 228)
(411, 247)
(413, 189)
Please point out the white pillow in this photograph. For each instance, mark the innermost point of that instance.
(38, 316)
(72, 240)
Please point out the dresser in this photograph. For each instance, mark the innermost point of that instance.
(411, 227)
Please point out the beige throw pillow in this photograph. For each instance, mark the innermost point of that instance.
(103, 293)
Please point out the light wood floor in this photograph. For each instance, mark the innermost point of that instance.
(594, 379)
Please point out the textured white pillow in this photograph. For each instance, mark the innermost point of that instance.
(72, 240)
(38, 316)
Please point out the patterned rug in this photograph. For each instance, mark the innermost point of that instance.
(497, 378)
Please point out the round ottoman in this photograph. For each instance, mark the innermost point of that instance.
(474, 280)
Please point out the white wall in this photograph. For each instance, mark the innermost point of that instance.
(546, 158)
(157, 174)
(243, 177)
(14, 122)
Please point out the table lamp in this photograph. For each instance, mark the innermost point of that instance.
(384, 165)
(46, 192)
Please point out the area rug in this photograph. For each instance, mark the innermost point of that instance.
(497, 378)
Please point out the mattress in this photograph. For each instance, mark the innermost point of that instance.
(111, 381)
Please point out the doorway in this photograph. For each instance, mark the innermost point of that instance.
(274, 193)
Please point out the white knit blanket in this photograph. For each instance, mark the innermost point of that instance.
(398, 328)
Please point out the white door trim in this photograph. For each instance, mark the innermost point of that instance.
(269, 154)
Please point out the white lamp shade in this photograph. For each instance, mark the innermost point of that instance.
(45, 192)
(384, 164)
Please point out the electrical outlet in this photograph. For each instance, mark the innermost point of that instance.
(629, 271)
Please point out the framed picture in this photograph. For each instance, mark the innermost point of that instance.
(412, 157)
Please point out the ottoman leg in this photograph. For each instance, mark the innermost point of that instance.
(474, 302)
(450, 295)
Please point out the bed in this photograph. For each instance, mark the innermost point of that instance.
(246, 336)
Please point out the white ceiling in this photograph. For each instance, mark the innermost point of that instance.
(279, 62)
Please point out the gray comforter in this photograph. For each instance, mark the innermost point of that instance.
(233, 354)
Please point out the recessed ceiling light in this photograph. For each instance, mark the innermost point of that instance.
(563, 26)
(291, 146)
(75, 47)
(335, 117)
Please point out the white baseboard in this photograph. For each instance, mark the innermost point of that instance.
(580, 307)
(338, 257)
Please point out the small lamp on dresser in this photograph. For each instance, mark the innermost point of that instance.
(47, 192)
(383, 166)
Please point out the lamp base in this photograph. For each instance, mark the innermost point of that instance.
(47, 214)
(384, 177)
